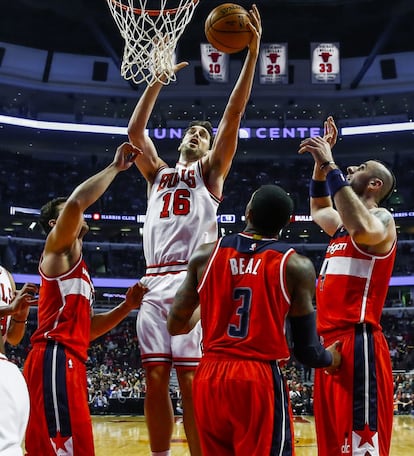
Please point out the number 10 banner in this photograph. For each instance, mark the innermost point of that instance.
(273, 64)
(325, 63)
(215, 64)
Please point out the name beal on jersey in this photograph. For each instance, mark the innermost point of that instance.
(239, 266)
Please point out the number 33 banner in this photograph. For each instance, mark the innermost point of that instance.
(215, 63)
(325, 63)
(273, 64)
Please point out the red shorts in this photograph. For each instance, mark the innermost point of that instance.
(354, 409)
(242, 407)
(59, 411)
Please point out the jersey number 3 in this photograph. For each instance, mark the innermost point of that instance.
(244, 295)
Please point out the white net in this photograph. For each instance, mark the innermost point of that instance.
(151, 31)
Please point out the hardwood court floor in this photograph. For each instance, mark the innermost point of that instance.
(127, 436)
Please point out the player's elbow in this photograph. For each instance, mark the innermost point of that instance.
(14, 339)
(176, 331)
(136, 134)
(313, 356)
(306, 345)
(172, 329)
(363, 236)
(174, 326)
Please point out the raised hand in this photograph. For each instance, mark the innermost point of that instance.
(330, 131)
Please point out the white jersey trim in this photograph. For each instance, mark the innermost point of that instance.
(166, 268)
(347, 266)
(282, 275)
(51, 278)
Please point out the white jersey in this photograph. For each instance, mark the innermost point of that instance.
(6, 296)
(14, 406)
(181, 215)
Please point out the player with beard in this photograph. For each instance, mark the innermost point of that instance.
(354, 408)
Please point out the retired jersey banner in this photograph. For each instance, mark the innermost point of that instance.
(273, 64)
(215, 63)
(325, 63)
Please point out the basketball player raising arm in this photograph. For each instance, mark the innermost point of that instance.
(354, 409)
(14, 307)
(217, 157)
(181, 214)
(55, 368)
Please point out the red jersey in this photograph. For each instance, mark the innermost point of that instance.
(64, 309)
(352, 285)
(244, 299)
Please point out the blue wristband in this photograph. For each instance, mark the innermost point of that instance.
(318, 189)
(336, 180)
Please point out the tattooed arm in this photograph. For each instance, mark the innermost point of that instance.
(371, 228)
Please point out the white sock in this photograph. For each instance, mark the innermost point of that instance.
(161, 453)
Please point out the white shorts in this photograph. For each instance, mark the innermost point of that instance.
(157, 346)
(14, 407)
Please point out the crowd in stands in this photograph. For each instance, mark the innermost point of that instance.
(403, 394)
(23, 177)
(22, 184)
(128, 261)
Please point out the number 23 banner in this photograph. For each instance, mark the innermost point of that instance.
(325, 63)
(215, 63)
(273, 64)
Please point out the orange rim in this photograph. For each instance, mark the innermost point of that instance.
(153, 12)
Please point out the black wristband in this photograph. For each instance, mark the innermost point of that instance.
(336, 180)
(19, 321)
(306, 345)
(318, 189)
(325, 164)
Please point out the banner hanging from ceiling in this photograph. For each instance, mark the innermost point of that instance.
(215, 63)
(273, 63)
(325, 61)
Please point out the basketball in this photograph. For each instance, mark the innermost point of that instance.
(226, 28)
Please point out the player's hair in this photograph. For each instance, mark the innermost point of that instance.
(50, 211)
(202, 123)
(270, 209)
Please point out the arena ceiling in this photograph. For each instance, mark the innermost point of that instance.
(86, 26)
(362, 27)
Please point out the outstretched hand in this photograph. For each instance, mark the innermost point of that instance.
(330, 131)
(255, 26)
(179, 66)
(134, 295)
(166, 74)
(319, 148)
(125, 156)
(23, 299)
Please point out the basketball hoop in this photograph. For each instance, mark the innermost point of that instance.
(150, 36)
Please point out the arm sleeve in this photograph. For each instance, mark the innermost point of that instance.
(306, 345)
